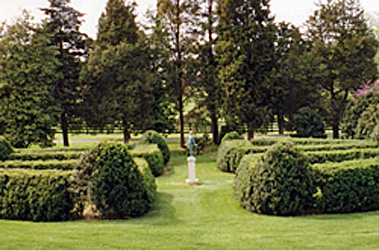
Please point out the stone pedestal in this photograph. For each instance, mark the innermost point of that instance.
(192, 171)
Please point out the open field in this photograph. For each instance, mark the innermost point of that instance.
(198, 217)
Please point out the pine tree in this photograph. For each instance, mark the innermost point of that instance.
(63, 23)
(28, 69)
(246, 58)
(344, 49)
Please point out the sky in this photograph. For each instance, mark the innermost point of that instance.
(294, 11)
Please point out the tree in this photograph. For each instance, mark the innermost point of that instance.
(117, 77)
(63, 23)
(179, 17)
(207, 83)
(28, 69)
(344, 48)
(246, 59)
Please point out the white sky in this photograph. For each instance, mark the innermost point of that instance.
(294, 11)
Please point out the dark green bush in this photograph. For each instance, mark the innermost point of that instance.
(5, 149)
(351, 186)
(41, 155)
(375, 133)
(51, 164)
(154, 137)
(309, 124)
(230, 154)
(152, 155)
(108, 177)
(35, 195)
(341, 155)
(368, 121)
(280, 183)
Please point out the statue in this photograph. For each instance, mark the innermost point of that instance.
(191, 143)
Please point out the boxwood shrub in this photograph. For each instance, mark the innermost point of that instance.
(281, 182)
(108, 178)
(231, 136)
(51, 164)
(351, 186)
(152, 155)
(230, 154)
(153, 137)
(35, 195)
(5, 149)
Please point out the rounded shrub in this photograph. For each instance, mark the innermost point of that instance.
(375, 133)
(5, 149)
(280, 183)
(108, 178)
(231, 136)
(308, 123)
(153, 137)
(368, 121)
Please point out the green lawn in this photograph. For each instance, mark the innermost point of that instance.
(198, 217)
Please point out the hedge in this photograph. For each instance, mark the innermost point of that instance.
(55, 149)
(332, 147)
(51, 164)
(153, 137)
(302, 141)
(35, 195)
(35, 156)
(109, 179)
(5, 149)
(341, 155)
(351, 186)
(230, 154)
(153, 156)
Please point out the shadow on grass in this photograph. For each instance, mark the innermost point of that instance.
(163, 212)
(347, 216)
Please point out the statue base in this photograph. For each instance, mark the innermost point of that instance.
(192, 171)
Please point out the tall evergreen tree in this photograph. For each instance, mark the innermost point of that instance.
(63, 23)
(246, 59)
(344, 48)
(28, 69)
(180, 18)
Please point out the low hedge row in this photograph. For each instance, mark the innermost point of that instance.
(35, 195)
(54, 149)
(303, 141)
(347, 187)
(50, 164)
(35, 156)
(230, 154)
(341, 155)
(152, 154)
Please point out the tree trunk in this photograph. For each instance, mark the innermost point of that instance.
(335, 131)
(181, 121)
(280, 123)
(214, 128)
(126, 132)
(64, 127)
(250, 133)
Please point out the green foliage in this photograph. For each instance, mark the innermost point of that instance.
(27, 75)
(368, 121)
(375, 133)
(341, 155)
(35, 195)
(353, 113)
(5, 149)
(231, 136)
(153, 156)
(154, 137)
(309, 124)
(344, 49)
(348, 187)
(41, 155)
(230, 154)
(107, 177)
(39, 164)
(280, 183)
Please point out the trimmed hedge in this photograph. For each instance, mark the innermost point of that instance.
(230, 154)
(35, 195)
(231, 136)
(302, 141)
(35, 156)
(153, 137)
(108, 178)
(153, 156)
(55, 149)
(351, 186)
(52, 164)
(279, 183)
(5, 149)
(341, 155)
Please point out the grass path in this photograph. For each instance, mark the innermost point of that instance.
(198, 217)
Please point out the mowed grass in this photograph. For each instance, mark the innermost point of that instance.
(198, 217)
